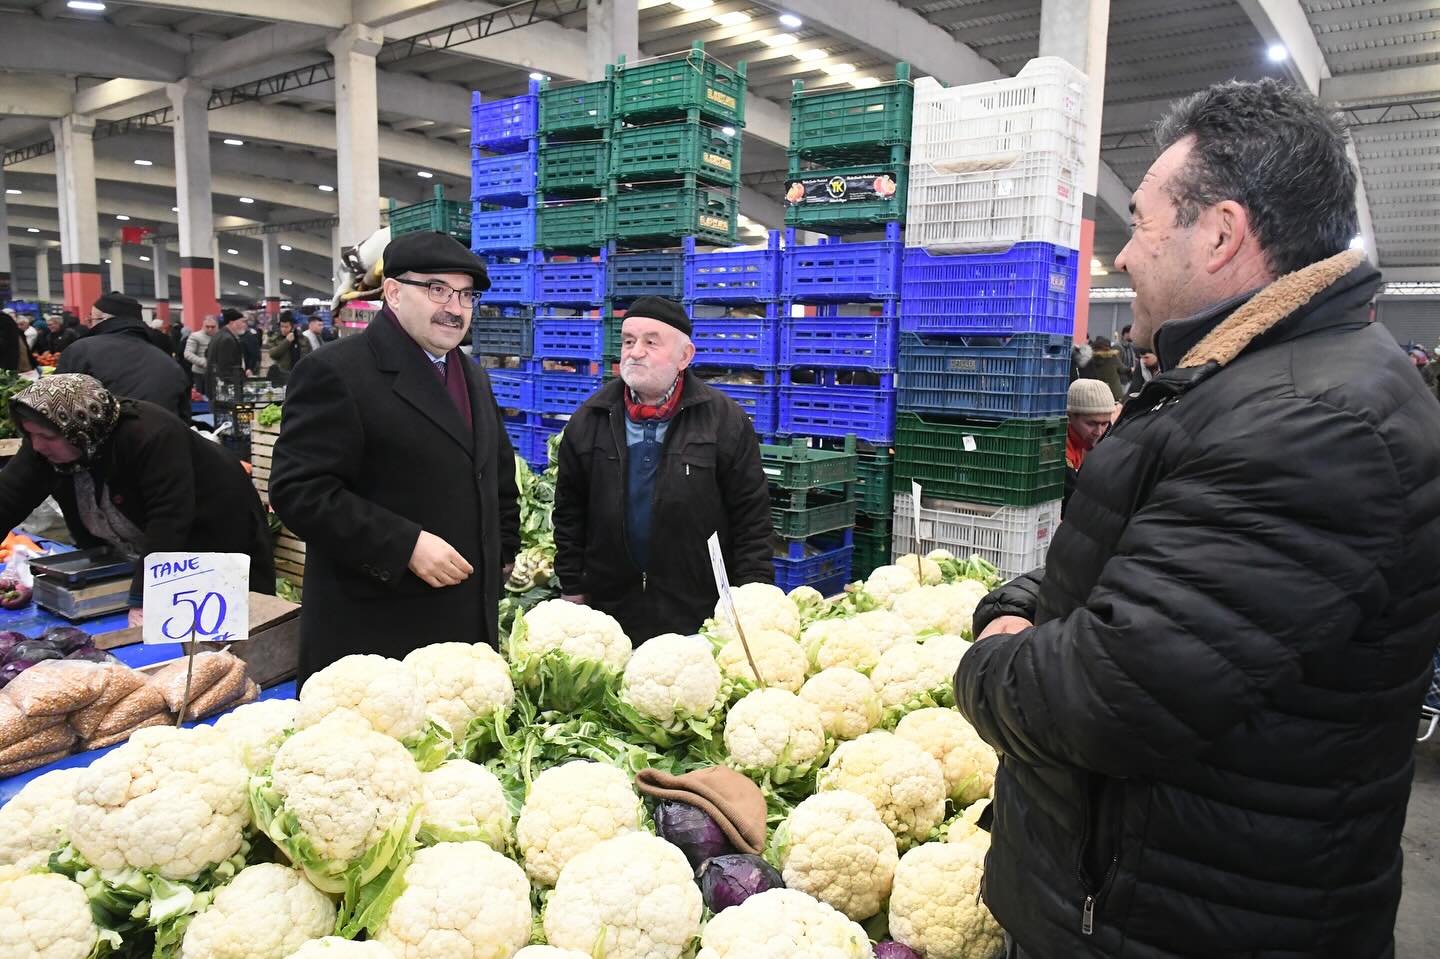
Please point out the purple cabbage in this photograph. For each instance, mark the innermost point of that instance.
(90, 654)
(690, 828)
(34, 651)
(12, 669)
(894, 950)
(8, 639)
(727, 881)
(67, 639)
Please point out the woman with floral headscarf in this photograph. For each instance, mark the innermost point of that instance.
(130, 475)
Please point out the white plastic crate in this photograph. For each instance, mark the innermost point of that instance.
(1014, 538)
(997, 163)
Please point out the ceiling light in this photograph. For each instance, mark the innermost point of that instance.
(287, 282)
(233, 252)
(243, 282)
(326, 188)
(779, 40)
(12, 192)
(728, 131)
(246, 199)
(425, 174)
(1277, 53)
(1357, 243)
(731, 19)
(810, 55)
(791, 21)
(107, 262)
(839, 69)
(121, 216)
(144, 163)
(232, 142)
(88, 5)
(693, 4)
(144, 259)
(31, 229)
(286, 247)
(865, 83)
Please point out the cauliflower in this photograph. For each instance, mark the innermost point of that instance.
(464, 803)
(775, 733)
(384, 691)
(171, 801)
(33, 823)
(885, 628)
(903, 781)
(947, 650)
(808, 602)
(965, 827)
(671, 679)
(783, 924)
(632, 897)
(887, 583)
(550, 952)
(935, 906)
(566, 658)
(256, 730)
(836, 848)
(780, 659)
(925, 569)
(906, 672)
(334, 947)
(462, 900)
(758, 606)
(462, 682)
(947, 608)
(571, 808)
(967, 762)
(46, 916)
(849, 705)
(266, 912)
(578, 631)
(840, 642)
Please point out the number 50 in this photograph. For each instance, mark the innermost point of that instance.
(193, 621)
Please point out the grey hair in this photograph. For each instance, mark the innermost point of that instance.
(1277, 151)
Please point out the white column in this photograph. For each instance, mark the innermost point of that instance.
(612, 30)
(5, 273)
(75, 183)
(215, 255)
(357, 135)
(270, 260)
(337, 265)
(42, 275)
(159, 261)
(199, 267)
(117, 266)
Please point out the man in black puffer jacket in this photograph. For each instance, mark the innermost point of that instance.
(1206, 734)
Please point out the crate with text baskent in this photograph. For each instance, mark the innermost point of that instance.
(689, 85)
(663, 151)
(438, 215)
(662, 215)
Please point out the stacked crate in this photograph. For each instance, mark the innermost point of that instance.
(436, 215)
(574, 157)
(503, 181)
(987, 310)
(813, 500)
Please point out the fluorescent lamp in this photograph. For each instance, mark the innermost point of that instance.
(232, 142)
(693, 5)
(144, 163)
(425, 174)
(809, 56)
(537, 76)
(244, 282)
(12, 192)
(326, 188)
(144, 259)
(174, 209)
(233, 252)
(287, 282)
(728, 131)
(286, 247)
(839, 69)
(864, 83)
(121, 216)
(791, 21)
(779, 40)
(88, 5)
(1277, 53)
(31, 229)
(246, 199)
(733, 19)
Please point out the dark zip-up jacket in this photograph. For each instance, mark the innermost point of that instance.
(121, 354)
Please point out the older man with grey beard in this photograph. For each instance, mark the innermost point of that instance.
(650, 466)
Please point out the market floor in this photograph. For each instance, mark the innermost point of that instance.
(1417, 928)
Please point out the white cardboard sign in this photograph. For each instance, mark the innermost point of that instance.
(197, 597)
(722, 580)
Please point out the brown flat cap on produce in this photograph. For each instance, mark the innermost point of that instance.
(733, 801)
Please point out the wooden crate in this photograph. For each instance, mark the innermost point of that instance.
(262, 451)
(289, 548)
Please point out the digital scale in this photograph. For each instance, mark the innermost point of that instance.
(84, 583)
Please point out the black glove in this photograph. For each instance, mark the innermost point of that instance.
(1019, 597)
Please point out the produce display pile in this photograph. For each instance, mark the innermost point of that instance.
(465, 804)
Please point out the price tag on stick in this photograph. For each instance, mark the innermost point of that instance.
(919, 543)
(196, 598)
(727, 602)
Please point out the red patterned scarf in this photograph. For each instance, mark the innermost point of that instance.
(663, 412)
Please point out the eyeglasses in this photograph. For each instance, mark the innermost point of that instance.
(441, 292)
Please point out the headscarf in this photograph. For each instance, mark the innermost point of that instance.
(76, 406)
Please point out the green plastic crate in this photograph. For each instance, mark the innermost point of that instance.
(571, 225)
(875, 481)
(662, 217)
(438, 215)
(798, 467)
(681, 86)
(796, 514)
(872, 546)
(846, 196)
(845, 125)
(574, 166)
(663, 151)
(612, 334)
(1011, 463)
(577, 107)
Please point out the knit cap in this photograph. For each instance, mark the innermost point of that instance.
(1090, 398)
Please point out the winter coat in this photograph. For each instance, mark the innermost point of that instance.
(1106, 367)
(195, 346)
(224, 367)
(710, 479)
(284, 354)
(184, 492)
(371, 452)
(1207, 735)
(120, 354)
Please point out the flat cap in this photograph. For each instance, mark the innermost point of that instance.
(658, 308)
(433, 253)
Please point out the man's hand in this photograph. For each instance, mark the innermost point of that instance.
(137, 617)
(437, 563)
(576, 598)
(1005, 624)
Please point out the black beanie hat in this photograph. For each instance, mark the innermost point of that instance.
(230, 315)
(116, 303)
(658, 308)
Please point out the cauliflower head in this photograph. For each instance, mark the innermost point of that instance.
(837, 849)
(571, 808)
(578, 631)
(966, 826)
(334, 947)
(256, 730)
(45, 916)
(550, 952)
(462, 900)
(906, 671)
(266, 912)
(774, 731)
(935, 906)
(885, 628)
(900, 779)
(170, 800)
(337, 790)
(967, 761)
(783, 924)
(840, 642)
(464, 802)
(461, 682)
(635, 893)
(887, 583)
(384, 691)
(946, 608)
(34, 823)
(925, 568)
(759, 606)
(780, 659)
(849, 705)
(947, 651)
(673, 677)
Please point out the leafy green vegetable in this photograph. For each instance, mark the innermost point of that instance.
(269, 416)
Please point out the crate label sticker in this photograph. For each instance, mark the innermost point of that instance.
(724, 99)
(869, 187)
(1042, 534)
(196, 597)
(719, 224)
(719, 162)
(964, 365)
(1057, 283)
(969, 443)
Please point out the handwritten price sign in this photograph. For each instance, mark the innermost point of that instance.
(197, 597)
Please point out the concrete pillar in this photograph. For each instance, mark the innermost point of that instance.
(612, 30)
(159, 261)
(42, 276)
(1078, 30)
(199, 286)
(117, 265)
(75, 182)
(5, 271)
(62, 214)
(270, 260)
(337, 265)
(215, 258)
(357, 135)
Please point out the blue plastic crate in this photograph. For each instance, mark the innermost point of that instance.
(496, 231)
(506, 335)
(513, 389)
(512, 280)
(735, 276)
(633, 275)
(1030, 288)
(522, 440)
(830, 339)
(505, 126)
(579, 282)
(741, 342)
(562, 393)
(761, 402)
(837, 272)
(508, 179)
(830, 407)
(569, 338)
(1025, 376)
(827, 571)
